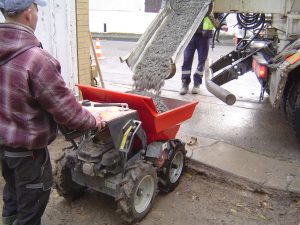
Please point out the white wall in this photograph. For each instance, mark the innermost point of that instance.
(119, 16)
(56, 30)
(127, 16)
(121, 5)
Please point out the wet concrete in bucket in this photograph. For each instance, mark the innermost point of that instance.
(158, 102)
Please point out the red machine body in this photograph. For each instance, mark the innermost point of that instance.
(158, 126)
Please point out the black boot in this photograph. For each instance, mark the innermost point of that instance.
(10, 220)
(184, 89)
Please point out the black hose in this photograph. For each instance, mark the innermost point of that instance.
(250, 21)
(217, 32)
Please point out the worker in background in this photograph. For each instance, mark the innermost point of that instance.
(199, 42)
(239, 34)
(33, 100)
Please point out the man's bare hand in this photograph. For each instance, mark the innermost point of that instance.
(99, 120)
(224, 28)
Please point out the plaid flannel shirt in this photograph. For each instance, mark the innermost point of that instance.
(33, 96)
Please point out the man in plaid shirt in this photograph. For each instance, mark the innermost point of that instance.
(33, 100)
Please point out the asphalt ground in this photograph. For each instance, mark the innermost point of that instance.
(249, 143)
(248, 124)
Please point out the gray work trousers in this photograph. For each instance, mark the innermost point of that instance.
(28, 177)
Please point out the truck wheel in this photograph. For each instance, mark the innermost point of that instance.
(64, 184)
(173, 169)
(293, 107)
(137, 192)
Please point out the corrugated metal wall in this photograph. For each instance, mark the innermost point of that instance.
(57, 31)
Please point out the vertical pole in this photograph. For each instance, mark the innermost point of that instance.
(96, 60)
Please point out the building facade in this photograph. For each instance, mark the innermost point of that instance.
(119, 16)
(63, 30)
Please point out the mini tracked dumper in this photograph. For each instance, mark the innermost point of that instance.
(135, 155)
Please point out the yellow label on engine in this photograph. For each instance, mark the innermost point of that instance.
(124, 139)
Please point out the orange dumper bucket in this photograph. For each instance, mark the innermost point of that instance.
(158, 126)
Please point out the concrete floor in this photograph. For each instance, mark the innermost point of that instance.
(247, 124)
